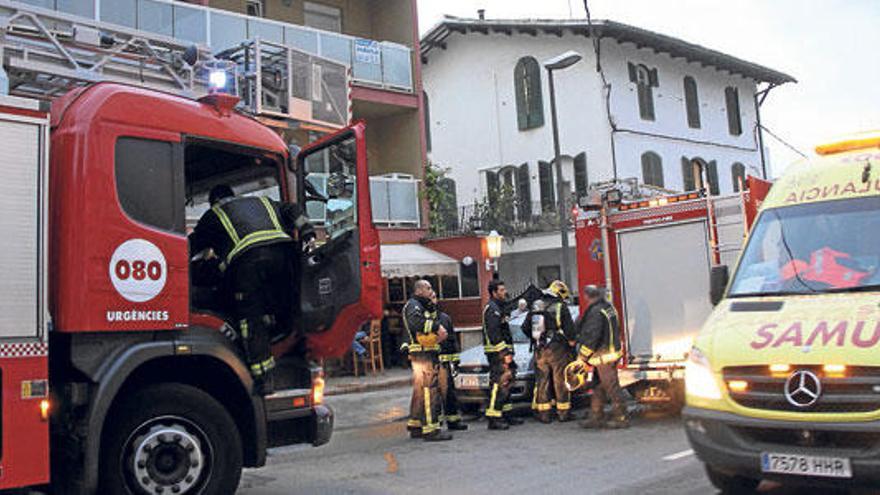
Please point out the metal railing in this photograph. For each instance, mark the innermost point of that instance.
(510, 219)
(382, 64)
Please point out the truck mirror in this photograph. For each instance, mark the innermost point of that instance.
(718, 283)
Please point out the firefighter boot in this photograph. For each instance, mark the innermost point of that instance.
(544, 417)
(498, 424)
(437, 436)
(513, 420)
(565, 417)
(415, 432)
(456, 426)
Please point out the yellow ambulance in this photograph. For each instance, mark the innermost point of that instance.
(783, 381)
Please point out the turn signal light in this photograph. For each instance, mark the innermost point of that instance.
(834, 369)
(738, 386)
(780, 368)
(44, 409)
(318, 391)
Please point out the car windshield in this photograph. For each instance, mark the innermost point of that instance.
(812, 248)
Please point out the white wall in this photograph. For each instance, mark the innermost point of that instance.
(473, 112)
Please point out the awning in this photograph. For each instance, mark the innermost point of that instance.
(413, 260)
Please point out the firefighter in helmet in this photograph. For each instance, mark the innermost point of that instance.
(256, 242)
(551, 329)
(425, 336)
(598, 342)
(498, 346)
(449, 358)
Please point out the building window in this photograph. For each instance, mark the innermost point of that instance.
(470, 279)
(548, 274)
(529, 97)
(693, 175)
(255, 8)
(688, 178)
(738, 176)
(581, 179)
(492, 187)
(545, 180)
(523, 192)
(734, 119)
(712, 177)
(323, 17)
(652, 169)
(149, 182)
(427, 110)
(646, 79)
(692, 102)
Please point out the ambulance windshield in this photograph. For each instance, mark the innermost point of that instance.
(832, 246)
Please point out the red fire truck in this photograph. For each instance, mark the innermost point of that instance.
(660, 251)
(112, 342)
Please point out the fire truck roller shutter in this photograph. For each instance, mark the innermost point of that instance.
(665, 283)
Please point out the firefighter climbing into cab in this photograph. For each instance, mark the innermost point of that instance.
(551, 328)
(255, 241)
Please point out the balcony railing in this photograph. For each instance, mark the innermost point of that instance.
(382, 64)
(395, 200)
(510, 219)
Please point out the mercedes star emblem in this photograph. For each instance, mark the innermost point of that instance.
(803, 388)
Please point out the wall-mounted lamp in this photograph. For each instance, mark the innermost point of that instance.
(493, 250)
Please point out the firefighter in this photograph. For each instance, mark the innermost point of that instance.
(498, 346)
(599, 346)
(425, 335)
(552, 353)
(255, 240)
(449, 358)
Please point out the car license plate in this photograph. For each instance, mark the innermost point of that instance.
(469, 381)
(806, 465)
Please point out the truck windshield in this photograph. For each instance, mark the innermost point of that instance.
(812, 248)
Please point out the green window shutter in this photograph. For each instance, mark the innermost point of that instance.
(529, 96)
(519, 86)
(652, 169)
(692, 102)
(687, 174)
(492, 187)
(581, 180)
(536, 96)
(523, 191)
(734, 120)
(545, 179)
(738, 175)
(712, 177)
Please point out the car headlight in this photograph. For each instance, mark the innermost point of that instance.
(698, 378)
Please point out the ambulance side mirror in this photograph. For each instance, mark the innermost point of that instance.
(718, 283)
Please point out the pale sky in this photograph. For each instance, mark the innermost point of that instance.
(832, 47)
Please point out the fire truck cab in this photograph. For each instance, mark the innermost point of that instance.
(112, 341)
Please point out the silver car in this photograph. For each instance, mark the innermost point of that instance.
(472, 380)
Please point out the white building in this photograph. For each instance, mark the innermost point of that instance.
(668, 101)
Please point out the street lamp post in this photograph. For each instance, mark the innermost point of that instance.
(560, 62)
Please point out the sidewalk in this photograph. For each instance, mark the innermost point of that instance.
(390, 378)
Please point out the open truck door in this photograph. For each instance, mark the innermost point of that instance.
(340, 287)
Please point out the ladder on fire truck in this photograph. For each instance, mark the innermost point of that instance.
(45, 53)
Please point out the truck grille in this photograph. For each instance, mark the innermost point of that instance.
(857, 440)
(857, 390)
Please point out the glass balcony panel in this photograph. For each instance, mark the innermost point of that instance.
(46, 4)
(84, 8)
(266, 31)
(121, 12)
(403, 201)
(301, 39)
(379, 200)
(367, 63)
(335, 47)
(396, 65)
(190, 24)
(227, 31)
(155, 17)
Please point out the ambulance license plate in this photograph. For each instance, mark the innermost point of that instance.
(806, 465)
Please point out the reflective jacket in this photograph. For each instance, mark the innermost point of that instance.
(421, 324)
(449, 350)
(496, 330)
(558, 326)
(598, 334)
(234, 225)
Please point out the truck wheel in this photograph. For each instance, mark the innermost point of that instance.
(170, 439)
(731, 484)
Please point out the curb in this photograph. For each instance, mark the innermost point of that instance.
(367, 387)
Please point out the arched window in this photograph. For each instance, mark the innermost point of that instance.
(646, 79)
(738, 176)
(652, 169)
(529, 97)
(692, 102)
(427, 110)
(734, 119)
(688, 177)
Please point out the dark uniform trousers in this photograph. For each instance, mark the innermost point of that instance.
(501, 376)
(425, 405)
(550, 364)
(606, 386)
(451, 410)
(260, 285)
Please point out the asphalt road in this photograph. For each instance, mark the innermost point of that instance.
(370, 453)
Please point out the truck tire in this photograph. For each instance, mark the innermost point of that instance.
(731, 484)
(170, 439)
